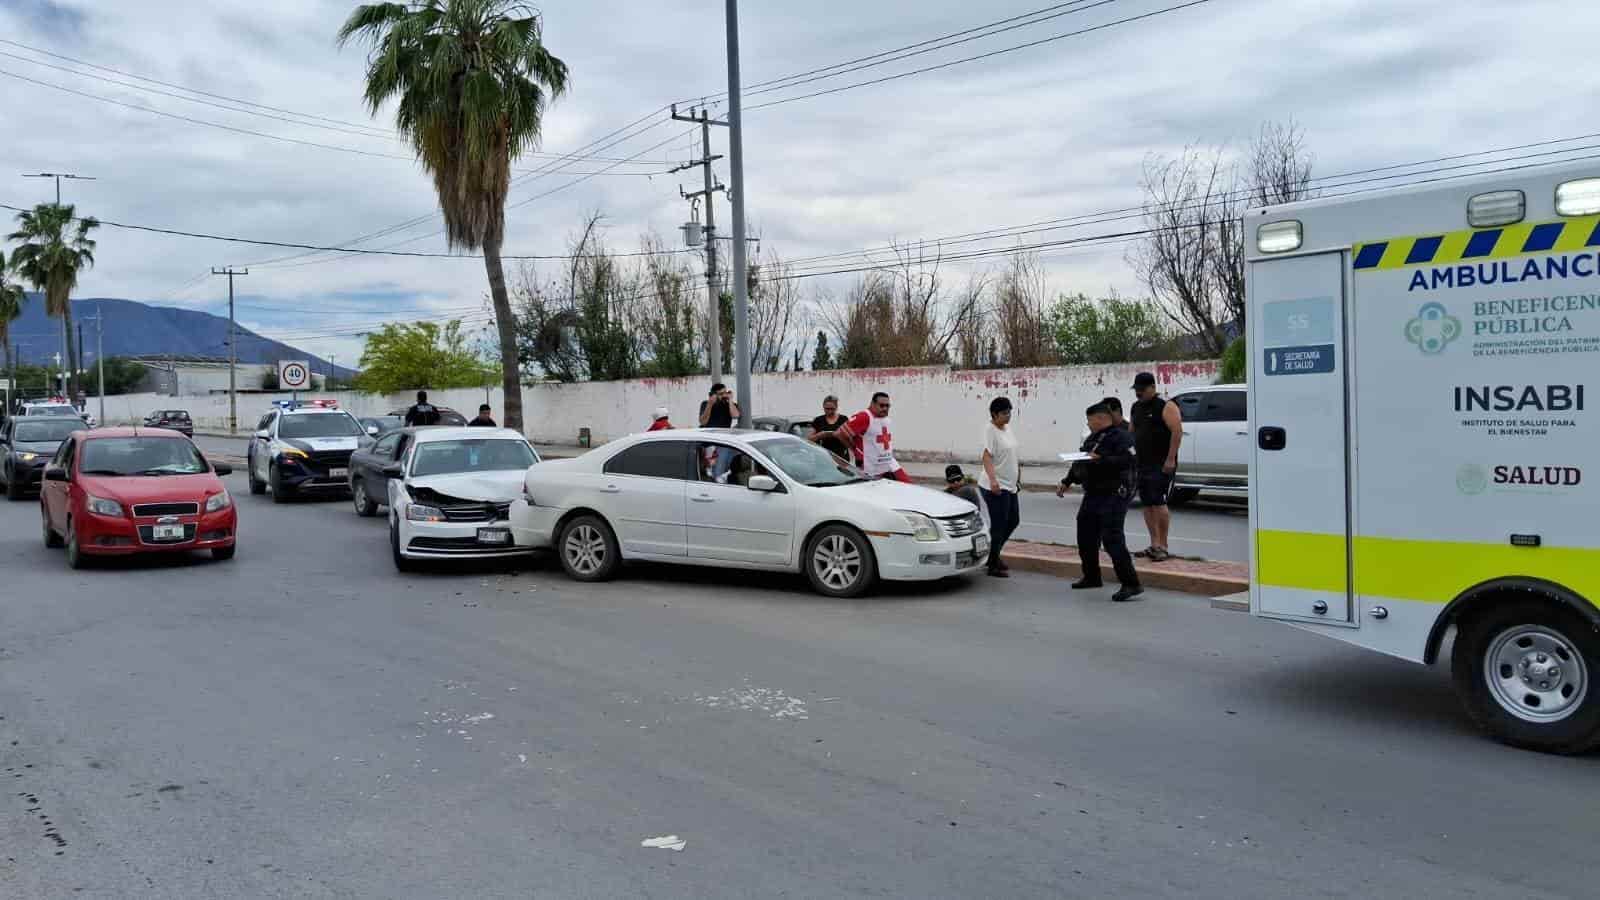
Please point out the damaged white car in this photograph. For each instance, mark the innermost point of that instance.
(450, 492)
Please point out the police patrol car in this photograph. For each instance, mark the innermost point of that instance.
(1424, 432)
(303, 446)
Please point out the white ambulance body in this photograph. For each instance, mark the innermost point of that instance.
(1425, 407)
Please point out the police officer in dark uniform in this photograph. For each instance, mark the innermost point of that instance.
(1108, 484)
(422, 412)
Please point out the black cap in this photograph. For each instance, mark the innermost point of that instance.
(953, 474)
(1143, 380)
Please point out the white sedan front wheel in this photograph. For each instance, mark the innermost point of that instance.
(840, 563)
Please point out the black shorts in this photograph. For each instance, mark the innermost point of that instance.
(1154, 485)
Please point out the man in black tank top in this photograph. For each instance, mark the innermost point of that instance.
(1157, 432)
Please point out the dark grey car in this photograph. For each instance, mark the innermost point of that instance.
(26, 444)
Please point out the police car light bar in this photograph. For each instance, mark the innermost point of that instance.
(303, 404)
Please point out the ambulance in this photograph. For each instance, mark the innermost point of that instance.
(1425, 420)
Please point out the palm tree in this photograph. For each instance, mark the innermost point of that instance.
(52, 254)
(471, 80)
(11, 300)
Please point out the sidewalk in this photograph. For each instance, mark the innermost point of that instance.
(1203, 577)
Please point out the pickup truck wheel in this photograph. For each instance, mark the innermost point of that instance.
(840, 563)
(1525, 670)
(588, 549)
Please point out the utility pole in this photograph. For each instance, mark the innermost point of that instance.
(99, 356)
(76, 372)
(714, 329)
(741, 294)
(58, 176)
(233, 350)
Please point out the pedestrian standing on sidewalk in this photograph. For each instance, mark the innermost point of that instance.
(824, 429)
(1107, 488)
(1157, 432)
(870, 436)
(1001, 473)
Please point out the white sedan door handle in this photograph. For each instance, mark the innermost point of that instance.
(611, 489)
(703, 498)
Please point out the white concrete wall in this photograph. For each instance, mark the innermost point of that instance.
(938, 413)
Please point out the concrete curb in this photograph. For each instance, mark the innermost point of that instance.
(1205, 578)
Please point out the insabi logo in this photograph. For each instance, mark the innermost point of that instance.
(1433, 329)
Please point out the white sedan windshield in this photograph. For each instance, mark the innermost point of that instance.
(806, 462)
(475, 455)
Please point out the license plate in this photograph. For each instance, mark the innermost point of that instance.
(980, 544)
(167, 533)
(338, 473)
(494, 536)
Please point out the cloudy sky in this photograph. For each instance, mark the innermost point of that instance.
(1057, 130)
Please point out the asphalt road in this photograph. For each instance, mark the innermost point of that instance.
(304, 722)
(1210, 530)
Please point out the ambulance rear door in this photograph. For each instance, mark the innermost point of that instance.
(1299, 416)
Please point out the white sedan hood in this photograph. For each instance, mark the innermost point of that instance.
(893, 495)
(488, 487)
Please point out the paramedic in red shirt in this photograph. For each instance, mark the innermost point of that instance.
(869, 434)
(659, 420)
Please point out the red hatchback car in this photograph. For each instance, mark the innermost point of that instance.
(121, 491)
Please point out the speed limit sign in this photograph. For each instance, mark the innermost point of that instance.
(294, 374)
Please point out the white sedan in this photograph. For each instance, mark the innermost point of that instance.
(781, 503)
(449, 492)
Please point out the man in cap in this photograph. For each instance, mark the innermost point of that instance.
(659, 420)
(1157, 432)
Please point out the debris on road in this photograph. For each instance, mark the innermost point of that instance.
(665, 842)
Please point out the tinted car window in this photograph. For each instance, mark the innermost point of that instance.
(653, 459)
(1226, 406)
(1192, 406)
(384, 448)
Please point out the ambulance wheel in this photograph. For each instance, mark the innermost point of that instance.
(1526, 672)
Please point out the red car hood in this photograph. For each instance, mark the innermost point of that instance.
(131, 489)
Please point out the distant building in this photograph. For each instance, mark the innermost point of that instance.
(196, 375)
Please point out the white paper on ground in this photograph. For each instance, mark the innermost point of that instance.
(665, 842)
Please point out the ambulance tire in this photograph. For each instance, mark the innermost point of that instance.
(1535, 630)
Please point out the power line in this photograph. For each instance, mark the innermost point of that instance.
(1003, 50)
(232, 128)
(295, 246)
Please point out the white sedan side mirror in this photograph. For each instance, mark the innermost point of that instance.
(764, 483)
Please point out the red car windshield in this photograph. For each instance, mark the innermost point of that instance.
(140, 456)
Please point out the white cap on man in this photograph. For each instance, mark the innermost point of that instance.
(660, 413)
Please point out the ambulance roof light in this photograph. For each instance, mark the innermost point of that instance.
(1496, 208)
(1279, 237)
(1579, 197)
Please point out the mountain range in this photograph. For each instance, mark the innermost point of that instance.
(139, 329)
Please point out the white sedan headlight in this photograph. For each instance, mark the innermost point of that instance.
(922, 527)
(218, 502)
(416, 512)
(103, 507)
